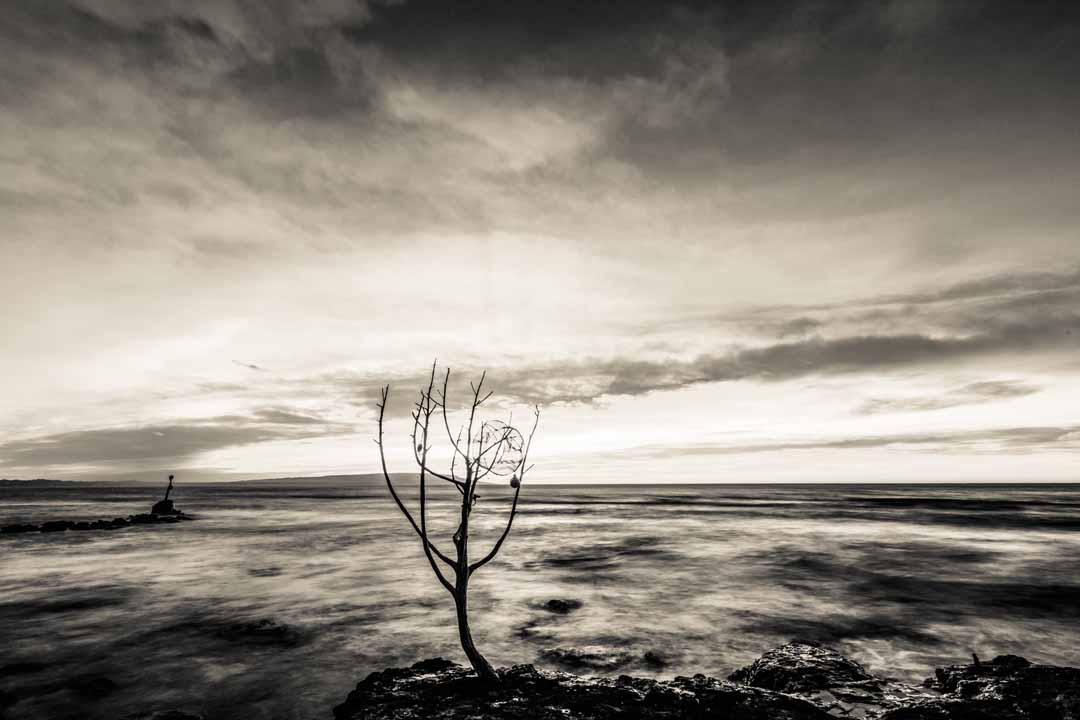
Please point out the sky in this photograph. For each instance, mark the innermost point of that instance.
(714, 242)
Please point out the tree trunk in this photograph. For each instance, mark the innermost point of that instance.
(461, 598)
(479, 663)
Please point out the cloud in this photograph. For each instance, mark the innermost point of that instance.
(970, 394)
(177, 441)
(1004, 440)
(1025, 315)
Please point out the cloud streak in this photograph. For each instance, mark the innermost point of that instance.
(999, 440)
(1029, 316)
(175, 441)
(970, 394)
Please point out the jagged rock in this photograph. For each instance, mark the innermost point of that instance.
(441, 690)
(562, 607)
(805, 680)
(800, 666)
(1006, 688)
(831, 681)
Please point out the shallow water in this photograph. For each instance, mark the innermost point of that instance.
(706, 577)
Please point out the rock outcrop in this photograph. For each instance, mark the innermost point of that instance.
(1006, 688)
(795, 681)
(831, 681)
(442, 690)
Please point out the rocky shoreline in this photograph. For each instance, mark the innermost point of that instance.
(798, 681)
(83, 525)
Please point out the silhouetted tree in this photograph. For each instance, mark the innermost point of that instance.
(480, 449)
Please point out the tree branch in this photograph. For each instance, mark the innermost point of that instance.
(513, 507)
(393, 492)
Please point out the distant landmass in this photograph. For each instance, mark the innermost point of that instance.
(36, 482)
(312, 481)
(323, 480)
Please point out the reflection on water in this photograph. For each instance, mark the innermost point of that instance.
(277, 600)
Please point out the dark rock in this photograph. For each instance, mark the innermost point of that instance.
(19, 528)
(816, 682)
(598, 659)
(57, 526)
(800, 666)
(1006, 688)
(828, 679)
(115, 523)
(163, 715)
(562, 607)
(164, 507)
(151, 519)
(533, 630)
(441, 690)
(654, 660)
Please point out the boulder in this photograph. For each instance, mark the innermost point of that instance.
(800, 666)
(826, 678)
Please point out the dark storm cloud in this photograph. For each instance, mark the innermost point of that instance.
(165, 441)
(736, 94)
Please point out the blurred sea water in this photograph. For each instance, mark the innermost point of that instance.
(279, 598)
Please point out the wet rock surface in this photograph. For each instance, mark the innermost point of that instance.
(797, 680)
(826, 678)
(444, 690)
(1005, 688)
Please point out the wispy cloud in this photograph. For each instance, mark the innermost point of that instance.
(970, 394)
(1000, 440)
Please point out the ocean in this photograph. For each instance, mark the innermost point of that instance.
(279, 598)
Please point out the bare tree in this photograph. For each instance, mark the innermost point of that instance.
(480, 448)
